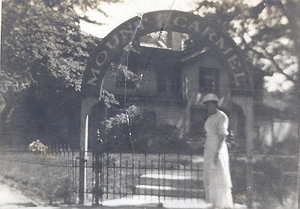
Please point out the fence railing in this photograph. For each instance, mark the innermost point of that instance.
(51, 175)
(163, 175)
(54, 175)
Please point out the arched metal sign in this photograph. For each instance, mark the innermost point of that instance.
(201, 29)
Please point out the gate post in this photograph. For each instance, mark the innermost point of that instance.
(98, 175)
(86, 107)
(81, 177)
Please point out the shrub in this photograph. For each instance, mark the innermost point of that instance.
(271, 182)
(271, 185)
(138, 131)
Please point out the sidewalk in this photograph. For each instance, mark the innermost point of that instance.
(11, 198)
(153, 201)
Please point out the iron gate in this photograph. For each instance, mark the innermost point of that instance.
(163, 175)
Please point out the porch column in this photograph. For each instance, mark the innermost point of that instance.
(246, 103)
(86, 107)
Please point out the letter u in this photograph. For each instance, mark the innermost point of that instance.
(115, 42)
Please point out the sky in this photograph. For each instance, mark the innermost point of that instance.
(120, 12)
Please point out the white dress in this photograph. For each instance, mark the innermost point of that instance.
(217, 180)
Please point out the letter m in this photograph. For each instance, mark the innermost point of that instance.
(93, 81)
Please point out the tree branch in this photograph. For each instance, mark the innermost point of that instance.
(86, 19)
(267, 55)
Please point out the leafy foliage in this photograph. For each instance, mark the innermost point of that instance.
(272, 182)
(33, 31)
(42, 34)
(272, 187)
(47, 111)
(263, 32)
(267, 34)
(137, 130)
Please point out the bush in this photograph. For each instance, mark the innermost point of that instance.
(271, 185)
(57, 190)
(138, 131)
(239, 181)
(271, 182)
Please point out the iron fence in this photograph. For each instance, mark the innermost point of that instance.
(118, 175)
(51, 174)
(164, 175)
(180, 176)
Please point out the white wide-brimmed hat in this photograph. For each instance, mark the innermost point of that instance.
(210, 97)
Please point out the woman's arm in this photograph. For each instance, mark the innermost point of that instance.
(216, 157)
(222, 126)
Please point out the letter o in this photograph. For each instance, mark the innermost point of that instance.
(101, 58)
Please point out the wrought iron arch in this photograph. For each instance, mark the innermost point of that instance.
(201, 29)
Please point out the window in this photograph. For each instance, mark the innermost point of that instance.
(169, 80)
(209, 79)
(169, 40)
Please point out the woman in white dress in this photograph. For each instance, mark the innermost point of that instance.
(216, 173)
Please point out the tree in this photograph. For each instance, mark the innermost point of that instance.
(265, 32)
(42, 33)
(47, 110)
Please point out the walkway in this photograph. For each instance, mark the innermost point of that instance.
(166, 202)
(11, 199)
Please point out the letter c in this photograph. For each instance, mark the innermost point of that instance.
(177, 21)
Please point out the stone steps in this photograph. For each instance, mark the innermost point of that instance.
(172, 183)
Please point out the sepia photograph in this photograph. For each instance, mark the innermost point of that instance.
(176, 104)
